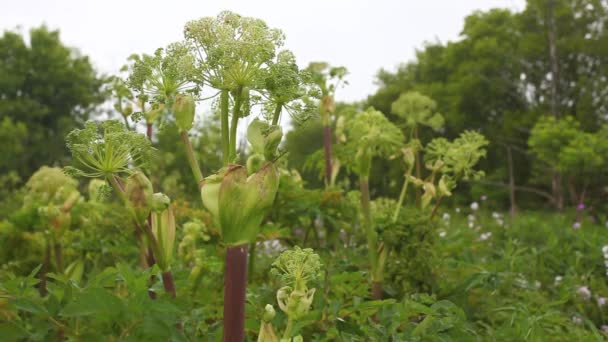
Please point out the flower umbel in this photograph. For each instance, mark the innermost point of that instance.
(107, 148)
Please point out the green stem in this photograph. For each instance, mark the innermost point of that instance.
(401, 197)
(117, 188)
(370, 234)
(277, 114)
(236, 113)
(224, 124)
(288, 328)
(196, 170)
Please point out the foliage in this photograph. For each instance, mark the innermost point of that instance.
(47, 89)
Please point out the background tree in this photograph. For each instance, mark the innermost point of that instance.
(47, 88)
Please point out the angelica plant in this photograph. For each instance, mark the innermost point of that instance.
(328, 79)
(414, 110)
(296, 269)
(110, 151)
(54, 194)
(371, 134)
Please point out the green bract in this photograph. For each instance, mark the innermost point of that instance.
(139, 193)
(240, 202)
(163, 229)
(184, 109)
(107, 148)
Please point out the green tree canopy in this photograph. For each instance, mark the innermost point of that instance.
(46, 88)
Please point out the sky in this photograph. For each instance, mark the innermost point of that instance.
(362, 35)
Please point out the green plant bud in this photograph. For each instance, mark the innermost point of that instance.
(295, 303)
(127, 111)
(244, 201)
(183, 109)
(254, 163)
(255, 135)
(269, 313)
(159, 202)
(210, 193)
(409, 157)
(429, 194)
(445, 187)
(97, 190)
(271, 143)
(138, 190)
(163, 228)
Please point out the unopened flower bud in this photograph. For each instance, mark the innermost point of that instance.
(159, 202)
(183, 109)
(139, 193)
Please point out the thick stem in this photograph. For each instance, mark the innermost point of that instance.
(58, 251)
(169, 284)
(236, 113)
(196, 170)
(401, 197)
(370, 234)
(44, 270)
(434, 212)
(277, 114)
(224, 124)
(149, 128)
(288, 329)
(235, 286)
(376, 290)
(327, 149)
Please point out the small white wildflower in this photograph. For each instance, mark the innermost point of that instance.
(601, 301)
(458, 210)
(442, 233)
(500, 222)
(474, 206)
(471, 224)
(495, 215)
(605, 250)
(471, 218)
(584, 292)
(577, 320)
(537, 284)
(446, 216)
(484, 198)
(576, 225)
(558, 280)
(485, 236)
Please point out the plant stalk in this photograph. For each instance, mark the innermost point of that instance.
(235, 286)
(236, 113)
(224, 125)
(169, 284)
(196, 170)
(277, 114)
(370, 234)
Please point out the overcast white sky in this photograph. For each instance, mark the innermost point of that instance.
(363, 35)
